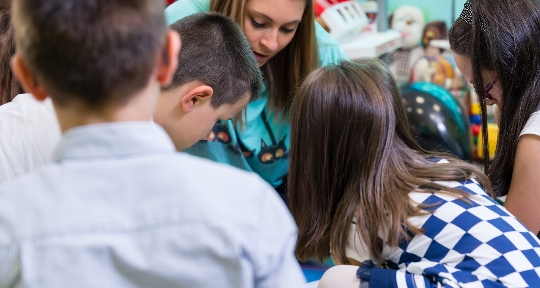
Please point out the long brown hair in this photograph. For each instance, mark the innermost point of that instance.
(9, 85)
(352, 155)
(504, 39)
(285, 71)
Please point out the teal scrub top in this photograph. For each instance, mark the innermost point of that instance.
(262, 144)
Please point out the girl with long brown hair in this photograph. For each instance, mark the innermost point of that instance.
(288, 44)
(362, 190)
(495, 44)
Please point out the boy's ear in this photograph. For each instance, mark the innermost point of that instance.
(196, 96)
(169, 58)
(28, 81)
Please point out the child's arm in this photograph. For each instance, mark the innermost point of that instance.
(342, 276)
(386, 278)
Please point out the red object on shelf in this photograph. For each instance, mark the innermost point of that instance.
(169, 2)
(475, 129)
(321, 5)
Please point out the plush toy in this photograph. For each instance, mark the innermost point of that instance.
(433, 67)
(435, 30)
(409, 21)
(437, 65)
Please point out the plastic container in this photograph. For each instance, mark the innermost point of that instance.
(345, 19)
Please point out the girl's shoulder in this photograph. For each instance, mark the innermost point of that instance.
(447, 205)
(533, 125)
(470, 186)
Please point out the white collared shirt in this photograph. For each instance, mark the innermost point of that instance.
(119, 207)
(29, 132)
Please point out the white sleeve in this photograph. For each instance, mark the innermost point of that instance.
(532, 126)
(275, 263)
(29, 133)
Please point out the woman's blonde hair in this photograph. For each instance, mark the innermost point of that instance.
(352, 155)
(285, 71)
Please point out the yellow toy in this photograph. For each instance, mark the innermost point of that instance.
(493, 134)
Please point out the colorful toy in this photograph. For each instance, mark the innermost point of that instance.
(493, 134)
(433, 69)
(437, 66)
(437, 120)
(475, 117)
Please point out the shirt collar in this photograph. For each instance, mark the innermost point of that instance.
(113, 139)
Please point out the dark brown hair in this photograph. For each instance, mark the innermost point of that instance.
(9, 86)
(352, 155)
(285, 71)
(507, 44)
(96, 51)
(232, 72)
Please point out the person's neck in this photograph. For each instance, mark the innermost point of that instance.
(139, 107)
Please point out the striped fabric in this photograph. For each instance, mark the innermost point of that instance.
(120, 208)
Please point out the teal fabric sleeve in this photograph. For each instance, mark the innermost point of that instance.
(183, 8)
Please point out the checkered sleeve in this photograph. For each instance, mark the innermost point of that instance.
(472, 242)
(386, 278)
(475, 243)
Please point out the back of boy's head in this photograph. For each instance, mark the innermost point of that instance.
(215, 52)
(99, 52)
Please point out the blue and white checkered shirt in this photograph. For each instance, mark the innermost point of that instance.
(464, 245)
(120, 208)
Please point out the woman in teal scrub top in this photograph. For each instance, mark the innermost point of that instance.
(288, 44)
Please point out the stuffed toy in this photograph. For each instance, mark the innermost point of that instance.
(409, 21)
(436, 66)
(435, 30)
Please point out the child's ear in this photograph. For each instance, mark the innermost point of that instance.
(28, 81)
(169, 58)
(196, 97)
